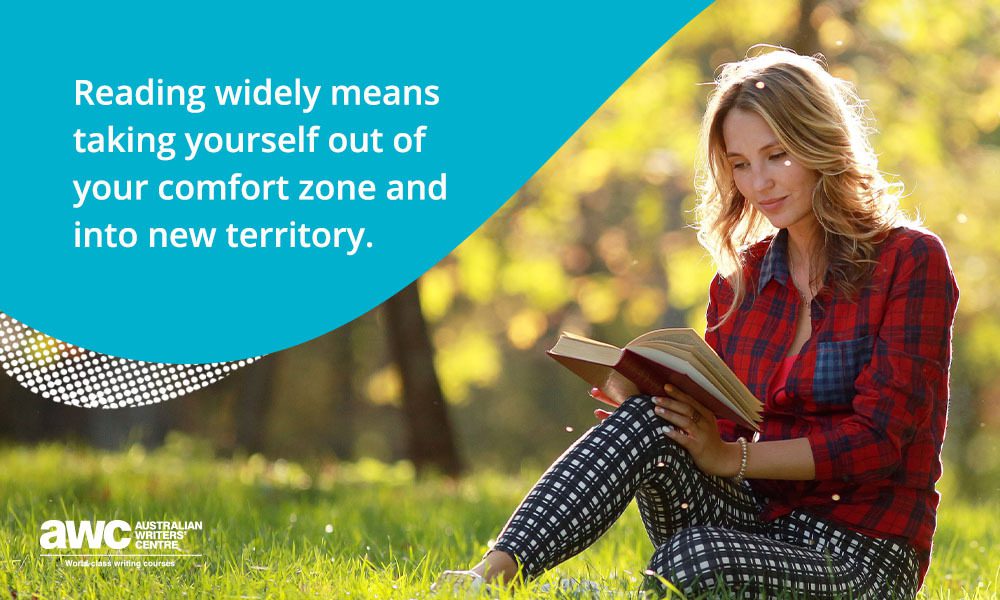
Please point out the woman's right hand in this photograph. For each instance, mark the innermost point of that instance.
(600, 396)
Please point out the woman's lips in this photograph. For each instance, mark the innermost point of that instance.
(772, 203)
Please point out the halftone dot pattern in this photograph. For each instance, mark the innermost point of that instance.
(73, 375)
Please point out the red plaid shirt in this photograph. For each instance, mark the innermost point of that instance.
(869, 389)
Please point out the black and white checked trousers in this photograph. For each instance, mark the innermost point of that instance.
(706, 530)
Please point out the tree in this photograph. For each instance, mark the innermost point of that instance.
(430, 439)
(806, 40)
(346, 406)
(253, 402)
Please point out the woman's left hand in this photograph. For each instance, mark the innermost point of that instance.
(697, 432)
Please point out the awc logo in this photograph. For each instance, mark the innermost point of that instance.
(70, 535)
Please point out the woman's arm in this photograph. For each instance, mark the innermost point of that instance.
(719, 292)
(780, 459)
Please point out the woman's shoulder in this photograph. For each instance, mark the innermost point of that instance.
(750, 257)
(914, 257)
(753, 254)
(912, 237)
(912, 244)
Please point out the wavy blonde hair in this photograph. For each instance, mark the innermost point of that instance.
(822, 123)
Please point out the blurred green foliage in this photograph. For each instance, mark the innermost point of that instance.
(598, 241)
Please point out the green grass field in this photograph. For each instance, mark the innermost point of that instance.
(365, 530)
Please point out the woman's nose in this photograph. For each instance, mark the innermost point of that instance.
(762, 179)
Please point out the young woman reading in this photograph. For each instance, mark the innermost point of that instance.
(837, 313)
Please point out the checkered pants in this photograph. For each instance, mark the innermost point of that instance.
(706, 529)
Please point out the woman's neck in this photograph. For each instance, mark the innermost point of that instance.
(803, 245)
(803, 242)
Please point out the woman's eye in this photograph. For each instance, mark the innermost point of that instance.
(739, 166)
(778, 155)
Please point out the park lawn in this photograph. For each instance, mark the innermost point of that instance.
(366, 530)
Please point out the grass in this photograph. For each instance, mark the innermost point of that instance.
(364, 530)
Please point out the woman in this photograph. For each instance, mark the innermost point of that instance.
(835, 313)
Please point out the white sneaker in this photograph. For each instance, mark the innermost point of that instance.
(458, 582)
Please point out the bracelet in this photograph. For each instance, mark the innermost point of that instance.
(743, 461)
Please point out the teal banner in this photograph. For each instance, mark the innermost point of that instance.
(197, 183)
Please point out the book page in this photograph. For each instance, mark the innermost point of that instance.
(692, 340)
(685, 368)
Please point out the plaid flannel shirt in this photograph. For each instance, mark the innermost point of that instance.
(869, 389)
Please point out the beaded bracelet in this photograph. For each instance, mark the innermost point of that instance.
(743, 461)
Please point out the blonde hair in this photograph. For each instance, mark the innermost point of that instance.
(821, 122)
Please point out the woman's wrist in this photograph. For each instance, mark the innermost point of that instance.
(733, 459)
(744, 457)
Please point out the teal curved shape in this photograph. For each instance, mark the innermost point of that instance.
(513, 82)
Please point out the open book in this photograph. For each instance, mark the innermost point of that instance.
(678, 356)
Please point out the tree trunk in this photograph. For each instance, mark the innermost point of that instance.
(253, 401)
(345, 403)
(429, 433)
(806, 40)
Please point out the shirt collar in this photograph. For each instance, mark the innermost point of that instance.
(775, 263)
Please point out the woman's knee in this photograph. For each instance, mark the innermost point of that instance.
(694, 560)
(635, 414)
(640, 406)
(636, 419)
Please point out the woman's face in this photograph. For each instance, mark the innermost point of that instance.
(767, 176)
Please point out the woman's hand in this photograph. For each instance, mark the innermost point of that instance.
(697, 432)
(600, 396)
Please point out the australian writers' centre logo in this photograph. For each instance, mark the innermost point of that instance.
(146, 538)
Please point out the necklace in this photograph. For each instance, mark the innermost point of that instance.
(805, 296)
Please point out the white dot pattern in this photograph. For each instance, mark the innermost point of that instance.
(72, 375)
